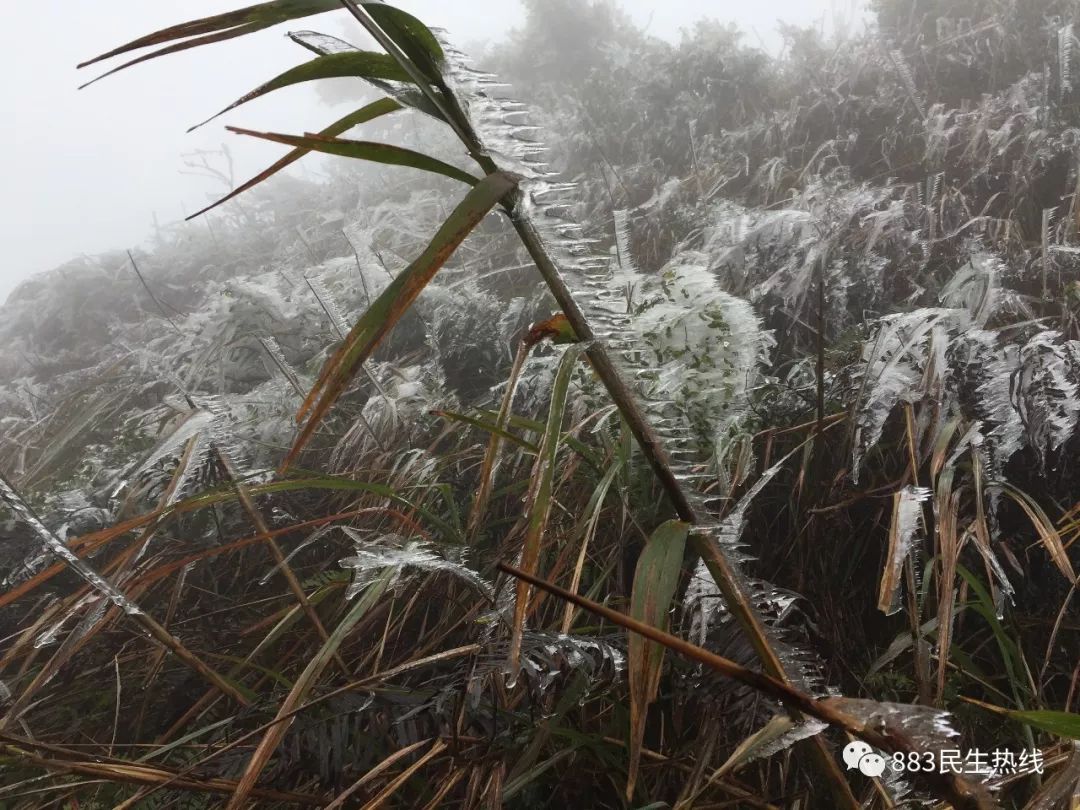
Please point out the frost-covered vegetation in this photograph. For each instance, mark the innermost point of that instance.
(780, 355)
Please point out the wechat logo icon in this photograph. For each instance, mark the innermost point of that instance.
(860, 756)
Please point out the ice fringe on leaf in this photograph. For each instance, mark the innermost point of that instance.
(622, 243)
(1066, 39)
(907, 513)
(893, 364)
(906, 75)
(394, 552)
(703, 603)
(194, 424)
(1030, 395)
(927, 728)
(547, 657)
(329, 305)
(975, 288)
(779, 734)
(1025, 393)
(273, 350)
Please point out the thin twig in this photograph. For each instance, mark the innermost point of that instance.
(154, 298)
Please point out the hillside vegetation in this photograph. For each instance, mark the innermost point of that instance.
(345, 494)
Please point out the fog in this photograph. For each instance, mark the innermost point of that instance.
(85, 171)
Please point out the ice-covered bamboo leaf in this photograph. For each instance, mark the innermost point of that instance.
(405, 93)
(779, 734)
(392, 555)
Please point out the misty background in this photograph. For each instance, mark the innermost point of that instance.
(89, 170)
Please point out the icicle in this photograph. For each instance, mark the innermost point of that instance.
(622, 242)
(1066, 38)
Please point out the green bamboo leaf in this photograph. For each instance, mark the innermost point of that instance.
(354, 64)
(412, 36)
(541, 487)
(1061, 724)
(394, 302)
(218, 28)
(383, 106)
(655, 581)
(364, 150)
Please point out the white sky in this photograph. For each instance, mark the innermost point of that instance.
(85, 171)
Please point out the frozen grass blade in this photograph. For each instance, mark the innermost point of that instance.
(539, 500)
(301, 689)
(493, 454)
